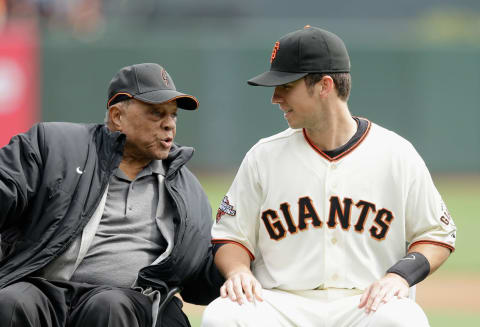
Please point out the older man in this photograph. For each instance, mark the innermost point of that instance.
(101, 224)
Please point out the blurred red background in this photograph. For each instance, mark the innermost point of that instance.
(19, 86)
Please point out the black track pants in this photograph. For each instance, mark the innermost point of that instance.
(36, 302)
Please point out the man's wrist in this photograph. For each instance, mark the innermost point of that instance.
(238, 270)
(414, 268)
(397, 276)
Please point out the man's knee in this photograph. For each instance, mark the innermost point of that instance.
(107, 302)
(10, 306)
(399, 313)
(19, 302)
(113, 307)
(173, 315)
(226, 313)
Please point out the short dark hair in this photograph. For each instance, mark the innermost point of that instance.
(127, 102)
(123, 103)
(342, 81)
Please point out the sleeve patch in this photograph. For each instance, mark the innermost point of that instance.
(445, 218)
(225, 208)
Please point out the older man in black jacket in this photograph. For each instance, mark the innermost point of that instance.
(101, 224)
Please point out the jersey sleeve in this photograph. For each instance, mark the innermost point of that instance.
(427, 216)
(237, 217)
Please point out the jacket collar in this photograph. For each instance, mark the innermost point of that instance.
(178, 156)
(109, 147)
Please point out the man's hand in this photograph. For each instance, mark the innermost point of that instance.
(382, 291)
(234, 263)
(239, 282)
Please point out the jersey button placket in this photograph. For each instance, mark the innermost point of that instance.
(334, 192)
(333, 178)
(336, 264)
(129, 206)
(329, 257)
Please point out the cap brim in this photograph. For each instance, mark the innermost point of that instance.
(184, 101)
(275, 78)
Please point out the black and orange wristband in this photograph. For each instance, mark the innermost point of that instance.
(414, 267)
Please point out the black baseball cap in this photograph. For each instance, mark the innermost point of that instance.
(147, 82)
(309, 50)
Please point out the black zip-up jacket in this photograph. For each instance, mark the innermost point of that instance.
(51, 181)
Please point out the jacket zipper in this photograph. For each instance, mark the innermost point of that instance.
(181, 230)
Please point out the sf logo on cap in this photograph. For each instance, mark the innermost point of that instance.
(274, 51)
(164, 77)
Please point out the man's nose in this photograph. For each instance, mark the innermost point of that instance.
(169, 123)
(277, 96)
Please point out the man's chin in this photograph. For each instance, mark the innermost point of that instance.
(292, 126)
(161, 155)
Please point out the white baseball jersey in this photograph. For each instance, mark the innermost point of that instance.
(310, 221)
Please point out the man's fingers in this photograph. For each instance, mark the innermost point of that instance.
(378, 300)
(401, 293)
(229, 288)
(389, 296)
(382, 291)
(248, 289)
(242, 286)
(372, 296)
(257, 290)
(223, 291)
(237, 288)
(363, 299)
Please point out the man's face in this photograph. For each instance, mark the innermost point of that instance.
(150, 129)
(296, 102)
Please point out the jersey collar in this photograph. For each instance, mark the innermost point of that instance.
(352, 144)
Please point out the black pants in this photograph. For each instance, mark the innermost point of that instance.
(36, 302)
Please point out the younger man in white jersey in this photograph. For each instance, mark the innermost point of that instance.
(330, 222)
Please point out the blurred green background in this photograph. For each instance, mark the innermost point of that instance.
(423, 88)
(415, 70)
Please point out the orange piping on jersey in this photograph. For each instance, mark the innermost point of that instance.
(341, 155)
(445, 245)
(223, 241)
(117, 94)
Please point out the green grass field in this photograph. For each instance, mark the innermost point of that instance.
(462, 196)
(442, 318)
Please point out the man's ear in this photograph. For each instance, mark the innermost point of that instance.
(325, 86)
(115, 114)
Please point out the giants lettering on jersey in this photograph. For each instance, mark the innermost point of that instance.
(339, 214)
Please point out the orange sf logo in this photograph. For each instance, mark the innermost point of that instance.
(274, 51)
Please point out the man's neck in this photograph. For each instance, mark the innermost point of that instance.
(334, 129)
(131, 167)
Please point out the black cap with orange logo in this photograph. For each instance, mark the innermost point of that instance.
(147, 82)
(309, 50)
